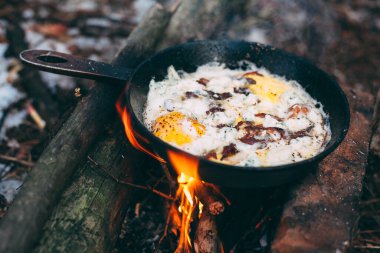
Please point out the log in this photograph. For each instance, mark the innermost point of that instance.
(206, 235)
(195, 20)
(91, 210)
(20, 229)
(322, 211)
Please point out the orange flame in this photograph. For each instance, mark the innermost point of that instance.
(131, 135)
(183, 163)
(188, 179)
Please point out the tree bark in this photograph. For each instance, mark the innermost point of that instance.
(91, 210)
(195, 20)
(20, 229)
(206, 237)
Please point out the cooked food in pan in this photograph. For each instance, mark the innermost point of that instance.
(245, 116)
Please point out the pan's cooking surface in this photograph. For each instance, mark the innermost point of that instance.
(189, 56)
(245, 116)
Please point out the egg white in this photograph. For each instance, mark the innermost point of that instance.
(168, 95)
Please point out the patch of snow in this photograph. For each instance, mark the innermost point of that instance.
(297, 18)
(141, 6)
(28, 13)
(4, 169)
(257, 35)
(3, 25)
(8, 94)
(9, 189)
(116, 16)
(54, 80)
(38, 41)
(101, 22)
(43, 12)
(75, 5)
(73, 31)
(32, 37)
(13, 143)
(93, 43)
(263, 241)
(3, 48)
(13, 119)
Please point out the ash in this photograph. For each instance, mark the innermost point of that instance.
(143, 227)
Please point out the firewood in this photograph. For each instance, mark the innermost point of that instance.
(21, 227)
(195, 20)
(310, 222)
(212, 203)
(206, 236)
(74, 225)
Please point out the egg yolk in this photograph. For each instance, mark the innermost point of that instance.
(262, 155)
(268, 88)
(175, 127)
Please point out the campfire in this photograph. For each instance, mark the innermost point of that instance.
(194, 206)
(193, 201)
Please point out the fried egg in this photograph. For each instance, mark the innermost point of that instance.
(246, 117)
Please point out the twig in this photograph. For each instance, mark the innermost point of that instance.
(15, 160)
(368, 232)
(370, 201)
(218, 192)
(123, 182)
(172, 182)
(366, 247)
(167, 223)
(35, 116)
(159, 181)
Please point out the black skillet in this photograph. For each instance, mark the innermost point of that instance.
(188, 57)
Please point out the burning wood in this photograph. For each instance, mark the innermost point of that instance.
(194, 198)
(206, 237)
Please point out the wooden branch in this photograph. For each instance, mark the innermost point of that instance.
(321, 213)
(75, 224)
(206, 236)
(128, 183)
(209, 199)
(195, 20)
(21, 227)
(12, 159)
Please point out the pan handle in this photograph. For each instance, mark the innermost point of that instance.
(70, 65)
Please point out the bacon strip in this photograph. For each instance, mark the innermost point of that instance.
(242, 90)
(203, 81)
(218, 96)
(229, 150)
(190, 94)
(215, 109)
